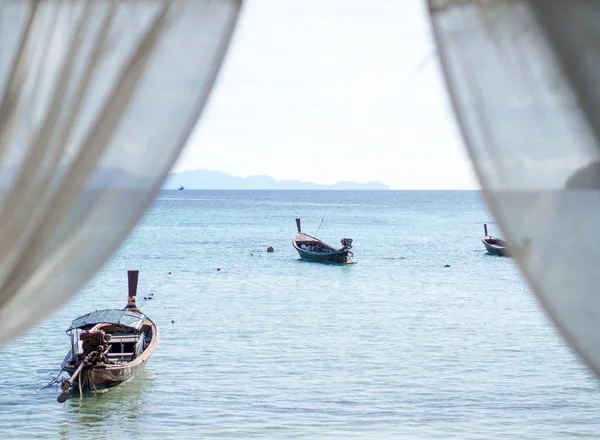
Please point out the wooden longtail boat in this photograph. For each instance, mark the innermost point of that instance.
(494, 246)
(108, 346)
(311, 248)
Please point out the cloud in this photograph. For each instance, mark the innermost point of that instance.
(328, 92)
(366, 85)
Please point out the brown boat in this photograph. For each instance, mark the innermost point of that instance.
(109, 346)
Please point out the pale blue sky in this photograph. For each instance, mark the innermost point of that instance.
(325, 91)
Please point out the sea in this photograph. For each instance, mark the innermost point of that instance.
(426, 337)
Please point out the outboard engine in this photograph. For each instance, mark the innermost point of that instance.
(347, 243)
(91, 340)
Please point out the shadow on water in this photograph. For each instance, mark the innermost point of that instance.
(486, 254)
(326, 263)
(102, 413)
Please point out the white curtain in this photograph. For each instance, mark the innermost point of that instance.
(97, 98)
(524, 78)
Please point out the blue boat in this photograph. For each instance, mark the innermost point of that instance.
(313, 249)
(494, 246)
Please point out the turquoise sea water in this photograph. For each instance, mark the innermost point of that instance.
(396, 346)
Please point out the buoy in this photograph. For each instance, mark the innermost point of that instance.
(173, 321)
(218, 268)
(169, 273)
(270, 249)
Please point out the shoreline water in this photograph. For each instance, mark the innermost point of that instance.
(396, 346)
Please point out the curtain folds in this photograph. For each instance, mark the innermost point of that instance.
(97, 99)
(524, 79)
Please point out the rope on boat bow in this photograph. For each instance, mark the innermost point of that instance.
(83, 372)
(80, 391)
(55, 379)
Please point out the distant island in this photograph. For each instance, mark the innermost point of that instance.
(204, 179)
(585, 178)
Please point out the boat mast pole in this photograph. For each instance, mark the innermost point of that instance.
(319, 226)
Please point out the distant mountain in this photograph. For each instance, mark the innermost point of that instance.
(102, 177)
(203, 179)
(587, 177)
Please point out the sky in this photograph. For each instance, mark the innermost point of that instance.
(328, 91)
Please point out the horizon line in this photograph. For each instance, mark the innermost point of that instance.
(322, 189)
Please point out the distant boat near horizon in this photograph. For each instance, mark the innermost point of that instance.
(181, 188)
(313, 249)
(494, 246)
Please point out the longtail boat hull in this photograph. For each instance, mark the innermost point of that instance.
(312, 249)
(326, 257)
(108, 375)
(495, 249)
(109, 346)
(494, 246)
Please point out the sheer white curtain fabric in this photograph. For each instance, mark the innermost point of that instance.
(97, 99)
(524, 79)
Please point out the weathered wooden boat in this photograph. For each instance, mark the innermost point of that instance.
(108, 346)
(495, 246)
(311, 248)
